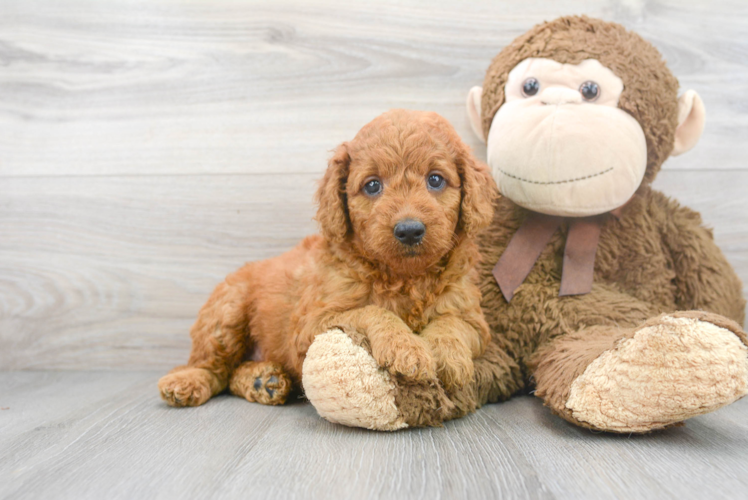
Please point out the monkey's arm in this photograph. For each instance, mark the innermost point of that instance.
(703, 277)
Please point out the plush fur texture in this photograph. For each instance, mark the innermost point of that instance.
(367, 397)
(669, 369)
(650, 91)
(356, 275)
(655, 259)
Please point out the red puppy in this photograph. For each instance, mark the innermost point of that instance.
(398, 208)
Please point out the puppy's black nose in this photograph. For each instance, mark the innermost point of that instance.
(410, 232)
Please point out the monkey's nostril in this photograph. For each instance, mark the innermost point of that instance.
(409, 232)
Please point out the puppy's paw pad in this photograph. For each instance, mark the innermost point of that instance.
(269, 388)
(271, 385)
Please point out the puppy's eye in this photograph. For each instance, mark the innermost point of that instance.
(436, 182)
(373, 187)
(590, 91)
(530, 87)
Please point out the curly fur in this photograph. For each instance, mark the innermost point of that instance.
(656, 259)
(418, 306)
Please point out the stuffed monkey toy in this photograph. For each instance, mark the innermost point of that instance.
(609, 299)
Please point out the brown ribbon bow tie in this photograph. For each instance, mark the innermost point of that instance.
(531, 238)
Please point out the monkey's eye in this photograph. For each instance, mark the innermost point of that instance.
(590, 91)
(435, 182)
(530, 87)
(373, 187)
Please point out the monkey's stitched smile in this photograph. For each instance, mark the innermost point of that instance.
(566, 181)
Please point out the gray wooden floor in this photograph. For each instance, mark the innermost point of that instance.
(149, 148)
(107, 435)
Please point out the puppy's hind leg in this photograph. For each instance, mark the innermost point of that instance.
(263, 382)
(219, 340)
(188, 386)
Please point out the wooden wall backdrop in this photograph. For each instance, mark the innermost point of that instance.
(147, 148)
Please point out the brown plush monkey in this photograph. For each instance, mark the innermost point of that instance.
(609, 298)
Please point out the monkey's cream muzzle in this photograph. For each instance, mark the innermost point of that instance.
(556, 153)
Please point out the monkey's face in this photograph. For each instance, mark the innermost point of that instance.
(560, 145)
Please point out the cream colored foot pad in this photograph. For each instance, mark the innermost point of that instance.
(666, 373)
(346, 386)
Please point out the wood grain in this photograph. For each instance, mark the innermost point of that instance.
(175, 87)
(109, 272)
(149, 148)
(107, 435)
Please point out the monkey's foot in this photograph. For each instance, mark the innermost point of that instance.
(345, 384)
(187, 386)
(674, 367)
(263, 382)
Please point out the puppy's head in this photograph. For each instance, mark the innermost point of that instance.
(404, 191)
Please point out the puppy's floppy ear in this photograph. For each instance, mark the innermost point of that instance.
(478, 193)
(332, 213)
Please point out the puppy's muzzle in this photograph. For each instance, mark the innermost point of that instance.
(409, 232)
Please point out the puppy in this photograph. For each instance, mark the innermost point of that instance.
(398, 208)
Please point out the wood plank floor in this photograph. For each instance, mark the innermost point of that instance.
(82, 435)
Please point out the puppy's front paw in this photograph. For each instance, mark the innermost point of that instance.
(407, 356)
(186, 387)
(456, 372)
(454, 365)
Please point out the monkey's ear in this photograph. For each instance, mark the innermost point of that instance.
(691, 118)
(473, 109)
(332, 213)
